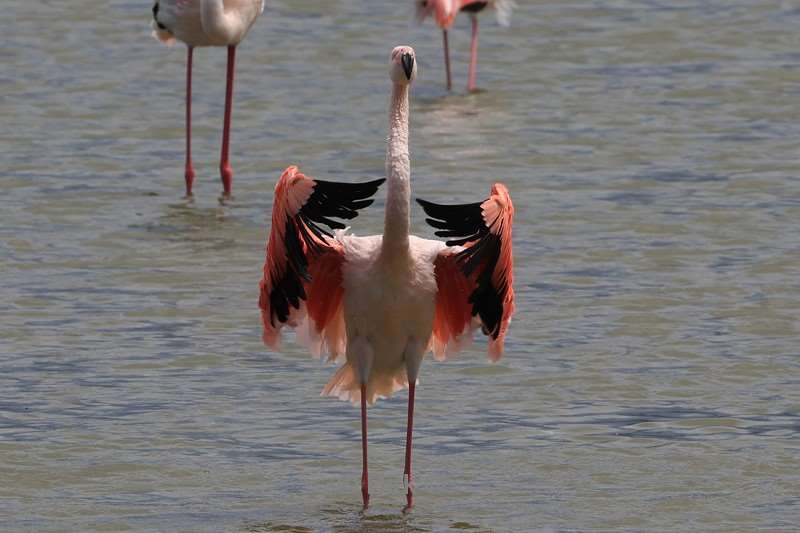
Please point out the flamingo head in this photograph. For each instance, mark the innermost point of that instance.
(403, 66)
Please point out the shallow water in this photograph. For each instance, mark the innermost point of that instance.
(652, 370)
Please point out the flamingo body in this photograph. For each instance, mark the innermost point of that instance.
(384, 301)
(206, 23)
(444, 14)
(444, 11)
(389, 303)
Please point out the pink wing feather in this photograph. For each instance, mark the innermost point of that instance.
(444, 11)
(303, 267)
(474, 274)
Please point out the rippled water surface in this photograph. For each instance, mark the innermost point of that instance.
(652, 374)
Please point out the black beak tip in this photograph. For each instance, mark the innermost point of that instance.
(408, 64)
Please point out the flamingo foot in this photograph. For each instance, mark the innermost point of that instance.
(365, 490)
(226, 173)
(189, 177)
(409, 484)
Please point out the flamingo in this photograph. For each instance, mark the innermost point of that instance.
(384, 301)
(206, 23)
(445, 11)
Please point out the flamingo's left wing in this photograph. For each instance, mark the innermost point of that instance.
(474, 275)
(303, 267)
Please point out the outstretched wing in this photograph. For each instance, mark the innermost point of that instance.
(474, 275)
(303, 267)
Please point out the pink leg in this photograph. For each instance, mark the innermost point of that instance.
(224, 164)
(409, 432)
(364, 474)
(473, 53)
(447, 60)
(189, 173)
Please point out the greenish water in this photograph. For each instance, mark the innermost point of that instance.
(652, 370)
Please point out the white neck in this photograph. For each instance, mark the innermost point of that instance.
(398, 172)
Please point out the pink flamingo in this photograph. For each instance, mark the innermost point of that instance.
(206, 23)
(445, 12)
(384, 301)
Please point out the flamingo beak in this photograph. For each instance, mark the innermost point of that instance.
(407, 61)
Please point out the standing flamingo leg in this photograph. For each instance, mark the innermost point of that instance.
(409, 432)
(364, 474)
(473, 52)
(447, 60)
(189, 173)
(225, 169)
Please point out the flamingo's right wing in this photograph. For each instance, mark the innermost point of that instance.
(474, 275)
(303, 267)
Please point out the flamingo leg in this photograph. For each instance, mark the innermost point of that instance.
(447, 60)
(189, 172)
(364, 474)
(409, 432)
(225, 169)
(473, 53)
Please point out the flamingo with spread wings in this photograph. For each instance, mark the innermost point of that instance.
(384, 301)
(444, 14)
(206, 23)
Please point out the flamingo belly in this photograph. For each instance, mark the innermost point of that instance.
(389, 306)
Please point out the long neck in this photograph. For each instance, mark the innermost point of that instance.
(398, 172)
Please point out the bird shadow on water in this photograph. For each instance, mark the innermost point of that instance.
(186, 225)
(450, 112)
(347, 518)
(189, 216)
(464, 101)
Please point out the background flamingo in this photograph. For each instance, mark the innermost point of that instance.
(206, 23)
(384, 301)
(445, 11)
